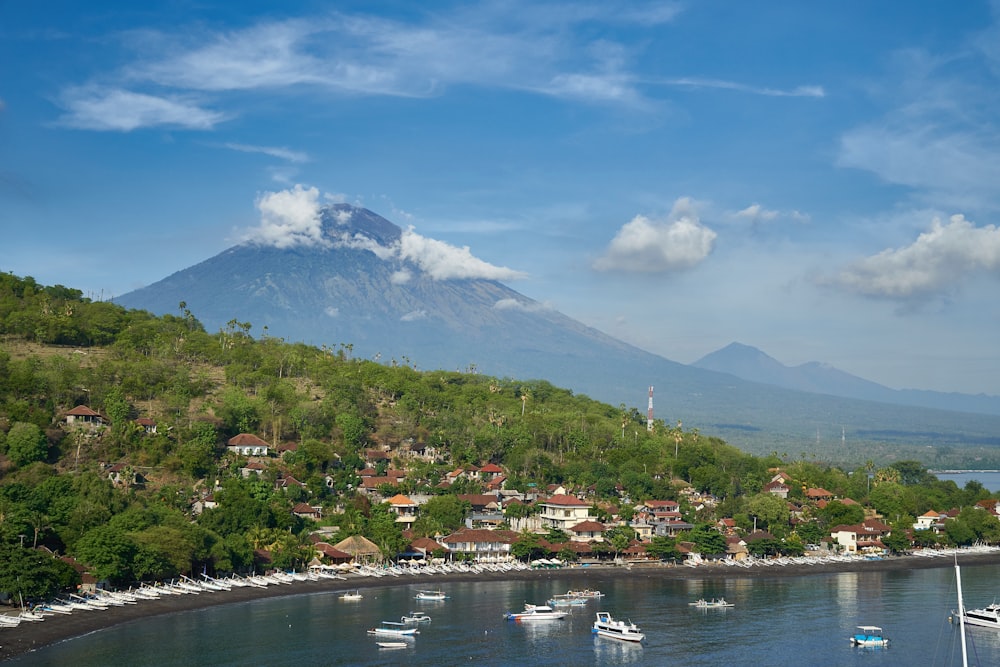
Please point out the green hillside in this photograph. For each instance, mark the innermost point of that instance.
(122, 491)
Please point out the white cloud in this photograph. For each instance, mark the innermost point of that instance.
(442, 261)
(295, 218)
(798, 91)
(938, 260)
(516, 304)
(362, 242)
(331, 311)
(278, 152)
(400, 277)
(289, 218)
(755, 213)
(644, 245)
(122, 110)
(414, 316)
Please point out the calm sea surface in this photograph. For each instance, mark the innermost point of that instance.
(778, 621)
(989, 479)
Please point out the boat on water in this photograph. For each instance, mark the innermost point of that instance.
(711, 604)
(416, 617)
(393, 628)
(431, 595)
(870, 636)
(606, 626)
(566, 600)
(585, 594)
(535, 612)
(391, 644)
(352, 595)
(987, 617)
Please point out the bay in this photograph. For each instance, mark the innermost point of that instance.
(990, 479)
(777, 622)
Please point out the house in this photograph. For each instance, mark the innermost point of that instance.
(360, 548)
(818, 494)
(404, 509)
(777, 488)
(307, 511)
(862, 537)
(326, 551)
(931, 520)
(147, 425)
(562, 512)
(481, 544)
(247, 444)
(253, 468)
(588, 531)
(81, 415)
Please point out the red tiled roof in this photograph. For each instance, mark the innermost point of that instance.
(83, 411)
(564, 500)
(247, 440)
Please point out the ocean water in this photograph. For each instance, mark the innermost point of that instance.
(988, 478)
(777, 622)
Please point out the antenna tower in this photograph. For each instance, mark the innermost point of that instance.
(649, 411)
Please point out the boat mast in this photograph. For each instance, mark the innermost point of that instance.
(961, 614)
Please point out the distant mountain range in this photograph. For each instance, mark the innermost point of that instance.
(356, 290)
(751, 364)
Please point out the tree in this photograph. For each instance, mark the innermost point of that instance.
(771, 510)
(662, 547)
(708, 540)
(837, 513)
(896, 542)
(441, 514)
(619, 537)
(527, 546)
(26, 443)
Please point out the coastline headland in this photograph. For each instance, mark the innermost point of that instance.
(31, 636)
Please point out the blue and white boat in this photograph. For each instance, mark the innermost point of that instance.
(870, 636)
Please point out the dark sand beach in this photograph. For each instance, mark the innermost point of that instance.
(30, 636)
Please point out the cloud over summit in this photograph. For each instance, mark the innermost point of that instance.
(294, 217)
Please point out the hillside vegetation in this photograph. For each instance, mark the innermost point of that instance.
(121, 499)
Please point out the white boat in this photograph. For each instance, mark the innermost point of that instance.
(393, 628)
(987, 617)
(567, 600)
(391, 644)
(431, 595)
(416, 617)
(870, 636)
(535, 612)
(711, 604)
(352, 595)
(606, 626)
(585, 594)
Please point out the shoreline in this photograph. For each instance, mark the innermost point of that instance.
(31, 636)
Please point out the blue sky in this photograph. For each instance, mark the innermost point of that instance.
(818, 180)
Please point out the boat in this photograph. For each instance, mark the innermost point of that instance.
(535, 612)
(585, 594)
(391, 644)
(352, 595)
(566, 600)
(711, 604)
(606, 626)
(869, 636)
(416, 617)
(431, 595)
(393, 628)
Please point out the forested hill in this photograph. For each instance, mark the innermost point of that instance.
(160, 398)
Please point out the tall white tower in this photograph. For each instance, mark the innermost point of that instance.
(649, 412)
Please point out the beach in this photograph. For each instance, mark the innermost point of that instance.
(30, 636)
